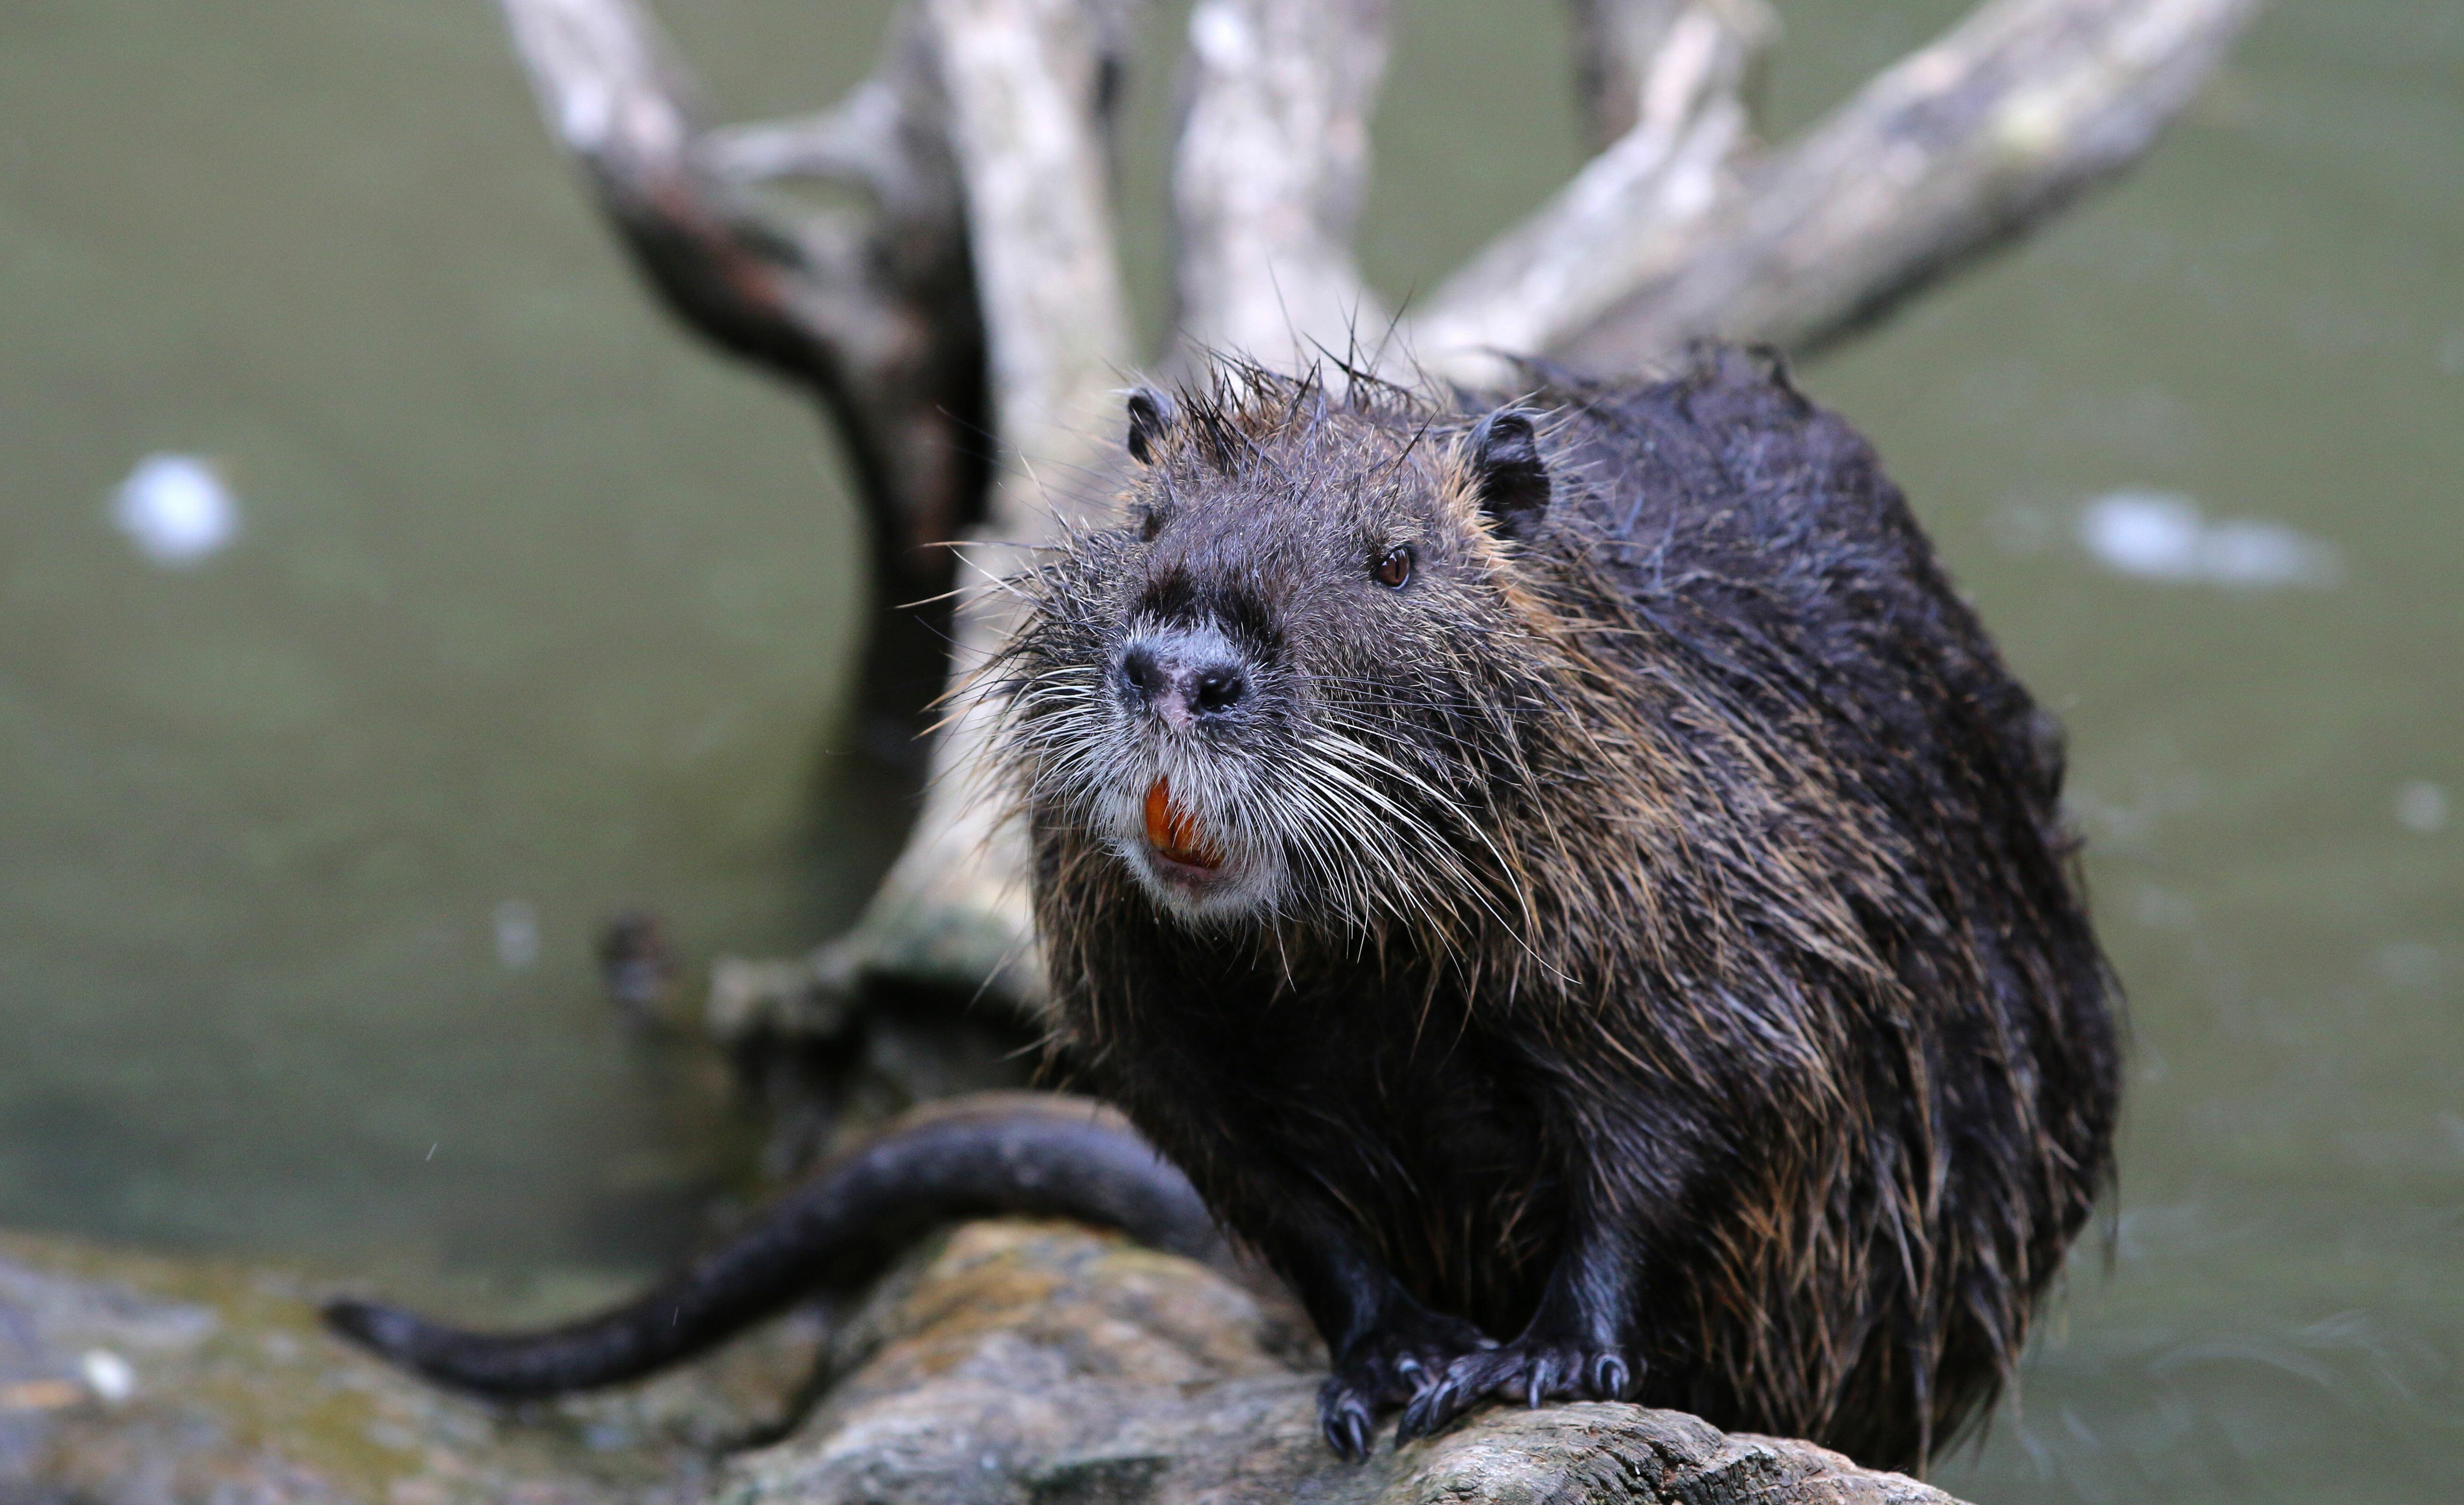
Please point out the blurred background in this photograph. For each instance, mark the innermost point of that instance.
(389, 595)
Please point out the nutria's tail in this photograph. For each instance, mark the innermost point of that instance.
(990, 1154)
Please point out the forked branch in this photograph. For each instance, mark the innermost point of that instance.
(869, 307)
(1680, 78)
(1950, 153)
(872, 309)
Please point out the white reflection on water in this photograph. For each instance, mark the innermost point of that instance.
(176, 509)
(2421, 805)
(517, 934)
(2162, 536)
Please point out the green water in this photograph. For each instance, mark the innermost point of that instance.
(534, 612)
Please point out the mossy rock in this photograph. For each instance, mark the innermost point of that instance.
(1006, 1363)
(232, 1393)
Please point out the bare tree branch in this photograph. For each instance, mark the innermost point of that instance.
(612, 89)
(1948, 154)
(853, 142)
(873, 312)
(1623, 217)
(1619, 45)
(1267, 179)
(1951, 153)
(1030, 107)
(876, 313)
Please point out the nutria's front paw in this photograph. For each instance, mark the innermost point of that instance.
(1387, 1366)
(1528, 1369)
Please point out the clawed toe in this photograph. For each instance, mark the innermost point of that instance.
(1344, 1415)
(1522, 1371)
(1610, 1380)
(1391, 1365)
(1431, 1409)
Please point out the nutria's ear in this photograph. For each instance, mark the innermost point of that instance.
(1508, 474)
(1150, 413)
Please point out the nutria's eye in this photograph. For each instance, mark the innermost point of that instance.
(1392, 568)
(1151, 525)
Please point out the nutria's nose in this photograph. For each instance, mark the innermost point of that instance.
(1181, 678)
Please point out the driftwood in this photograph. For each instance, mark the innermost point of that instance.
(973, 293)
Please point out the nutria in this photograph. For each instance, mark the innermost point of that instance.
(1575, 892)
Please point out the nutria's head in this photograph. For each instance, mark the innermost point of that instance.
(1286, 682)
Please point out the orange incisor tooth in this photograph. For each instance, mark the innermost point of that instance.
(1174, 832)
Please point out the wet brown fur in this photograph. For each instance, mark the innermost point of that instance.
(1687, 855)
